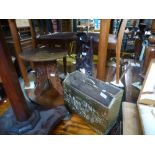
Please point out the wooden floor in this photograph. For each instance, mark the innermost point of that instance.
(4, 107)
(76, 126)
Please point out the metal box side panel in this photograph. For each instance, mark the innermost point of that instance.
(90, 111)
(115, 109)
(100, 117)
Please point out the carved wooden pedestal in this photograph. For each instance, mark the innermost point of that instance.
(48, 90)
(46, 75)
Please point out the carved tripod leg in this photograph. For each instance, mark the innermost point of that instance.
(53, 76)
(41, 77)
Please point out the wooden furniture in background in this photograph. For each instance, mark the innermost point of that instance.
(66, 25)
(18, 50)
(45, 62)
(118, 49)
(149, 53)
(33, 34)
(153, 26)
(62, 39)
(138, 46)
(112, 39)
(11, 83)
(103, 46)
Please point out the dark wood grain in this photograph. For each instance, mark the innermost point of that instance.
(11, 83)
(112, 39)
(33, 34)
(48, 89)
(149, 53)
(153, 26)
(61, 39)
(43, 54)
(103, 46)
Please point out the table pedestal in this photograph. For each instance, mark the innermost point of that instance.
(46, 75)
(48, 90)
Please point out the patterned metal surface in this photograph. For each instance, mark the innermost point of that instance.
(100, 115)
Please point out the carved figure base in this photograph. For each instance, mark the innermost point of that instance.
(48, 91)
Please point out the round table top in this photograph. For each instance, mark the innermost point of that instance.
(43, 54)
(64, 36)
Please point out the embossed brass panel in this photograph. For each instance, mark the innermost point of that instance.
(95, 101)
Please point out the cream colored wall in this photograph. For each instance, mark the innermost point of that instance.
(22, 22)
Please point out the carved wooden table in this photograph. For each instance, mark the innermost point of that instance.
(66, 37)
(48, 90)
(62, 39)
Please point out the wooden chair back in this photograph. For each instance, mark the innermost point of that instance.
(118, 48)
(103, 48)
(18, 50)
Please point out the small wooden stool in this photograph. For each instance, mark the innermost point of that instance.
(48, 90)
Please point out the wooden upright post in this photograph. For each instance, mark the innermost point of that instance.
(103, 46)
(149, 53)
(18, 50)
(33, 34)
(34, 40)
(11, 83)
(118, 48)
(153, 26)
